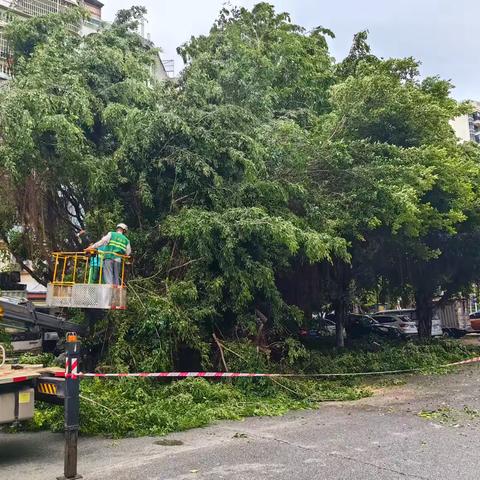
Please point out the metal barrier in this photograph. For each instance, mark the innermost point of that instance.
(72, 407)
(80, 280)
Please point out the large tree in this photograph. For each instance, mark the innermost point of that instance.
(263, 173)
(402, 178)
(87, 129)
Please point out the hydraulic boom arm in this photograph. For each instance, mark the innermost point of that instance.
(25, 315)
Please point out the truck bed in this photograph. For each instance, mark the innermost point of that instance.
(8, 374)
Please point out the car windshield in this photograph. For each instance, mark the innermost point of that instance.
(368, 320)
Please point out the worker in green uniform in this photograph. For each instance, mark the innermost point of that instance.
(113, 246)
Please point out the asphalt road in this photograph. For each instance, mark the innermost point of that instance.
(425, 429)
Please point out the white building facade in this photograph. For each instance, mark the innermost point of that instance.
(467, 127)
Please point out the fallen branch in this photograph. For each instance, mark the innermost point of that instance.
(220, 348)
(233, 352)
(262, 320)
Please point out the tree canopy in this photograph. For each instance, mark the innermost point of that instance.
(268, 170)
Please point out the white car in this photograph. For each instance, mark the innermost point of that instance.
(401, 324)
(437, 330)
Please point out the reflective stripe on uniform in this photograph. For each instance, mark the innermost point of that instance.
(118, 245)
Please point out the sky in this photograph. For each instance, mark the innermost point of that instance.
(442, 34)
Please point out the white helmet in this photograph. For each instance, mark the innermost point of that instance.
(123, 227)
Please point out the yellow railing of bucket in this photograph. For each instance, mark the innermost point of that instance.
(74, 268)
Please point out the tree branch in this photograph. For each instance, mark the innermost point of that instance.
(184, 265)
(23, 266)
(220, 348)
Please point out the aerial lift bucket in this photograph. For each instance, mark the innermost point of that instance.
(78, 282)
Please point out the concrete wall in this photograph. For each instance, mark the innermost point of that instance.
(32, 285)
(461, 126)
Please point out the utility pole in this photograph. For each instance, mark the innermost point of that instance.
(72, 407)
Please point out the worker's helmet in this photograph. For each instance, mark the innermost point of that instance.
(123, 227)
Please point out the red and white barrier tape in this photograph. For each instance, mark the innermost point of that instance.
(74, 374)
(464, 362)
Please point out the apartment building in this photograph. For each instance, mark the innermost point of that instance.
(467, 127)
(12, 9)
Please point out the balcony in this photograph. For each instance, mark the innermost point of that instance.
(36, 8)
(4, 50)
(6, 16)
(475, 136)
(5, 70)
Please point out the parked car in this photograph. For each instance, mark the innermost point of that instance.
(403, 325)
(361, 325)
(323, 327)
(437, 330)
(475, 321)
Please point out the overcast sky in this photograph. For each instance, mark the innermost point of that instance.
(442, 34)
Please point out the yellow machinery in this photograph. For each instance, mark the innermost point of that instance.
(79, 281)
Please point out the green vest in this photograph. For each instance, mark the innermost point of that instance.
(118, 244)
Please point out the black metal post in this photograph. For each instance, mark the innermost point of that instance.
(72, 407)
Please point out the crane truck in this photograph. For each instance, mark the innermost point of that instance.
(21, 385)
(73, 285)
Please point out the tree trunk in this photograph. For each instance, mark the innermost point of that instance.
(93, 316)
(424, 304)
(341, 308)
(342, 276)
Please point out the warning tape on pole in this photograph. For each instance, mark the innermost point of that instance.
(75, 375)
